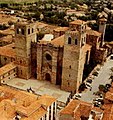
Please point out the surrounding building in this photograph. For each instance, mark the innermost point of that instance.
(80, 110)
(20, 105)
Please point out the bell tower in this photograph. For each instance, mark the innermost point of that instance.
(25, 33)
(73, 59)
(102, 28)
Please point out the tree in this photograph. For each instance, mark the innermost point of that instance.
(82, 87)
(101, 88)
(40, 35)
(94, 26)
(37, 15)
(109, 32)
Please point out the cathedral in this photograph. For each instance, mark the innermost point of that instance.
(60, 60)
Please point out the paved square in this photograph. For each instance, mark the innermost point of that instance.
(20, 84)
(40, 87)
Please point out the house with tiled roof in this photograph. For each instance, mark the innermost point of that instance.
(80, 110)
(15, 104)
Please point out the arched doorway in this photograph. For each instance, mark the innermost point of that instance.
(47, 77)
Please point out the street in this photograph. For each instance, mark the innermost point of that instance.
(101, 79)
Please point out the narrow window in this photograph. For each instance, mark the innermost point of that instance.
(17, 31)
(32, 30)
(45, 116)
(70, 66)
(22, 31)
(69, 40)
(21, 72)
(75, 41)
(28, 31)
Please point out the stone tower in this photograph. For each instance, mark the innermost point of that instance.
(74, 56)
(102, 28)
(24, 35)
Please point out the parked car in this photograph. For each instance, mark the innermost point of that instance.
(97, 104)
(88, 84)
(89, 80)
(97, 68)
(91, 77)
(111, 57)
(95, 73)
(98, 99)
(77, 96)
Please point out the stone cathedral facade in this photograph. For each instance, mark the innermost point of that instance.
(60, 61)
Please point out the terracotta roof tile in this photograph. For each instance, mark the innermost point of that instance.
(109, 96)
(58, 29)
(76, 108)
(7, 68)
(93, 32)
(7, 38)
(33, 111)
(58, 41)
(77, 22)
(8, 50)
(108, 113)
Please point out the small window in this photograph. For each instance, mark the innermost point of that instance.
(21, 72)
(28, 31)
(69, 75)
(75, 41)
(20, 61)
(17, 31)
(22, 32)
(32, 30)
(68, 84)
(82, 27)
(84, 39)
(5, 59)
(69, 40)
(70, 66)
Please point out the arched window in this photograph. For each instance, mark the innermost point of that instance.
(75, 41)
(48, 56)
(69, 40)
(28, 31)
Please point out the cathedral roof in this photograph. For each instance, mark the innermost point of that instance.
(59, 41)
(58, 29)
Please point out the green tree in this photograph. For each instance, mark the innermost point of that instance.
(37, 15)
(101, 88)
